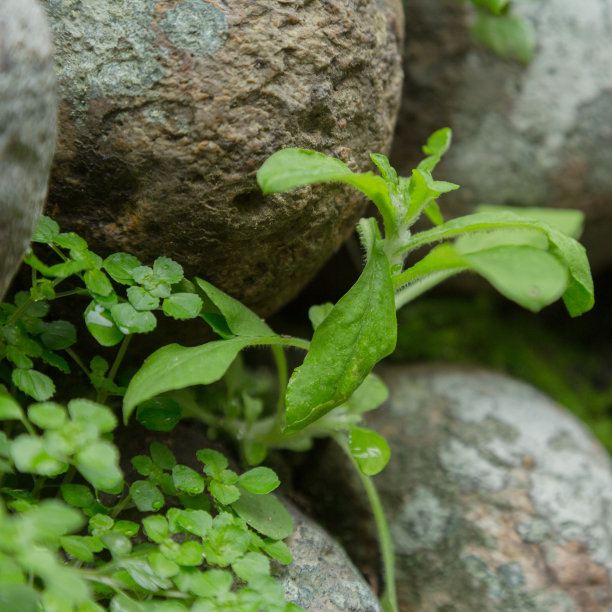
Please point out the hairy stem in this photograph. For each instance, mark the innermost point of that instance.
(389, 597)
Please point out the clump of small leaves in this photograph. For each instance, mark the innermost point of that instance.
(204, 544)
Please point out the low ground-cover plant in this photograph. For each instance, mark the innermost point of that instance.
(531, 258)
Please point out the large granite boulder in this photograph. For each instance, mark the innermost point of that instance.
(28, 117)
(535, 135)
(169, 108)
(499, 500)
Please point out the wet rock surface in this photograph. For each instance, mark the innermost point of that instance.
(28, 115)
(499, 500)
(535, 135)
(169, 108)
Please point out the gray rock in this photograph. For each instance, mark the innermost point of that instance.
(169, 108)
(322, 578)
(28, 117)
(536, 135)
(499, 500)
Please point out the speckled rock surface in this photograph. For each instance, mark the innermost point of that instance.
(28, 116)
(499, 500)
(322, 578)
(537, 135)
(168, 108)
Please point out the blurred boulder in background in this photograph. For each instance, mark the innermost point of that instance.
(526, 135)
(28, 118)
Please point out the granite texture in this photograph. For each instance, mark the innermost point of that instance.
(168, 108)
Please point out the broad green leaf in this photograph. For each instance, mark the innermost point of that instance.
(30, 456)
(212, 583)
(47, 415)
(259, 480)
(317, 314)
(175, 367)
(182, 305)
(46, 230)
(190, 553)
(438, 143)
(227, 541)
(509, 36)
(127, 528)
(360, 330)
(197, 522)
(99, 464)
(146, 496)
(159, 414)
(101, 325)
(168, 270)
(118, 544)
(579, 295)
(226, 494)
(18, 357)
(70, 240)
(212, 458)
(566, 220)
(528, 276)
(163, 567)
(432, 210)
(250, 565)
(52, 518)
(370, 394)
(156, 527)
(240, 320)
(10, 410)
(141, 299)
(277, 550)
(386, 169)
(120, 266)
(91, 261)
(142, 464)
(162, 456)
(187, 480)
(77, 495)
(77, 547)
(86, 411)
(423, 190)
(265, 514)
(122, 603)
(131, 321)
(33, 383)
(370, 450)
(291, 168)
(19, 597)
(98, 282)
(142, 573)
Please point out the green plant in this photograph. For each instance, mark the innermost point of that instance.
(509, 35)
(531, 259)
(60, 473)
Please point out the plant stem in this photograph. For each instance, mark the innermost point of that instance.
(102, 393)
(281, 367)
(389, 597)
(78, 361)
